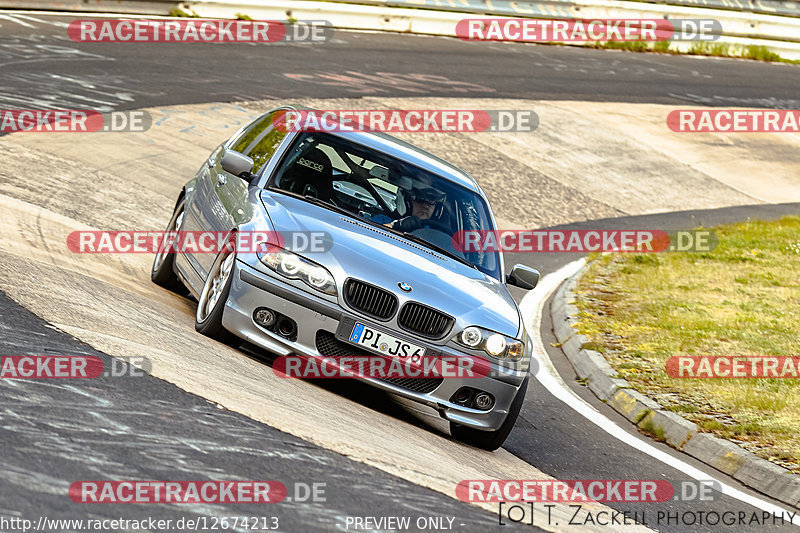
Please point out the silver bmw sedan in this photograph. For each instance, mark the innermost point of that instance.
(341, 246)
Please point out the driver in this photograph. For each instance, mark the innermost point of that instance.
(424, 204)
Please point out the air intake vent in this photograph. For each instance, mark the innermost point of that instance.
(369, 299)
(329, 346)
(424, 320)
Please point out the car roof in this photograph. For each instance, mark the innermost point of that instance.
(407, 152)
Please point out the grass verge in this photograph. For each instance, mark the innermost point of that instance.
(758, 53)
(741, 299)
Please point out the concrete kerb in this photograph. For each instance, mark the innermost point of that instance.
(604, 386)
(727, 457)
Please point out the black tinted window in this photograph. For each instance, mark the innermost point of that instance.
(382, 189)
(260, 141)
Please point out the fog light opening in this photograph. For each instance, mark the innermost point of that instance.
(265, 317)
(484, 400)
(473, 398)
(287, 328)
(463, 396)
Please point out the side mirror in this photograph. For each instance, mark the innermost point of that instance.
(238, 164)
(523, 276)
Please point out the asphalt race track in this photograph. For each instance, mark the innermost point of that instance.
(365, 64)
(210, 411)
(139, 426)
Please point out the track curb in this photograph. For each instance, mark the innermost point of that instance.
(727, 457)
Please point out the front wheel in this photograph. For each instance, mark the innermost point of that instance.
(163, 271)
(214, 295)
(491, 440)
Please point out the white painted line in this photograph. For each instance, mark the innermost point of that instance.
(532, 306)
(76, 15)
(41, 21)
(14, 19)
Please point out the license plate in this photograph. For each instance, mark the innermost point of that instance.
(385, 344)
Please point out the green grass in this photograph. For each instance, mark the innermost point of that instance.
(657, 432)
(178, 12)
(759, 53)
(631, 46)
(741, 299)
(712, 49)
(661, 47)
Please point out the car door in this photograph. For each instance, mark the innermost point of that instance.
(221, 201)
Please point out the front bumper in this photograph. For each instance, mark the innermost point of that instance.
(251, 289)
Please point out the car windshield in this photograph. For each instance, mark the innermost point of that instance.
(384, 190)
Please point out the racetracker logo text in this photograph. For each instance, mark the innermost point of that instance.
(553, 490)
(177, 492)
(584, 241)
(734, 120)
(381, 367)
(724, 366)
(408, 120)
(198, 31)
(195, 242)
(70, 367)
(587, 30)
(72, 121)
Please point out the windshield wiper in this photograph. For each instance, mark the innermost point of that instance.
(444, 251)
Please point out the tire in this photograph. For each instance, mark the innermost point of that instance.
(163, 271)
(214, 295)
(491, 440)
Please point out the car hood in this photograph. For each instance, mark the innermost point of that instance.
(356, 249)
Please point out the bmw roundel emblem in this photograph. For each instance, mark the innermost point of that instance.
(405, 287)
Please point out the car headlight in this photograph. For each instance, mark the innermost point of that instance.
(293, 266)
(495, 344)
(471, 337)
(490, 342)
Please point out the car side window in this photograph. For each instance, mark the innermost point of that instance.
(261, 140)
